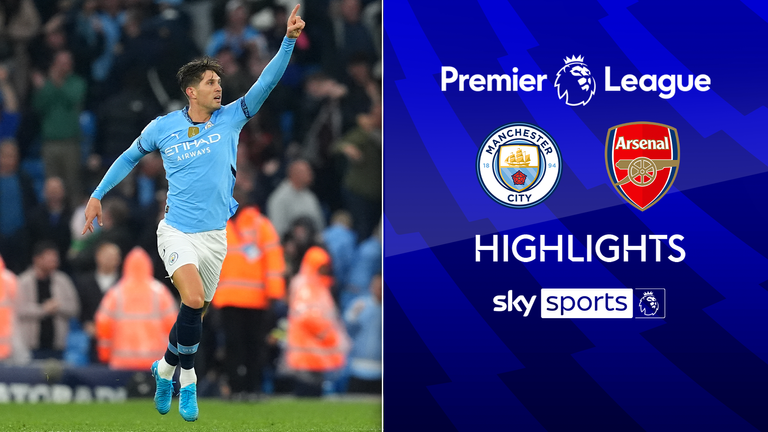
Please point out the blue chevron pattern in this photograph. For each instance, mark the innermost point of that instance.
(450, 362)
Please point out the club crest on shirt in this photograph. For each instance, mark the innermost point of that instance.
(519, 165)
(208, 125)
(194, 130)
(642, 160)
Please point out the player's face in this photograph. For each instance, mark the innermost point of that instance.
(209, 91)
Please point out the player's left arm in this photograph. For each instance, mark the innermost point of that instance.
(275, 69)
(143, 145)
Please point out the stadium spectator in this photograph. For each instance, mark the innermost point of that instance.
(319, 115)
(59, 101)
(236, 79)
(115, 230)
(92, 286)
(43, 49)
(47, 300)
(122, 115)
(293, 199)
(363, 90)
(50, 219)
(111, 17)
(351, 36)
(86, 38)
(170, 32)
(341, 242)
(150, 179)
(17, 199)
(252, 278)
(296, 242)
(318, 127)
(9, 114)
(12, 349)
(362, 180)
(317, 341)
(237, 35)
(134, 317)
(19, 23)
(366, 264)
(363, 320)
(275, 29)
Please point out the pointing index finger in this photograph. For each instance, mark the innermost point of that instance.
(296, 9)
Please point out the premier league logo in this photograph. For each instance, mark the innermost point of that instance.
(652, 303)
(574, 82)
(648, 305)
(519, 165)
(642, 160)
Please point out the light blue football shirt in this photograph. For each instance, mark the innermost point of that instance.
(199, 158)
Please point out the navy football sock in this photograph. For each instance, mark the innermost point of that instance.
(171, 353)
(189, 328)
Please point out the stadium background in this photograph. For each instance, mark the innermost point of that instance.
(125, 54)
(451, 363)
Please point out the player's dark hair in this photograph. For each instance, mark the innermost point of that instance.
(192, 73)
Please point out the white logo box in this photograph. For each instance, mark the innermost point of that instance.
(587, 303)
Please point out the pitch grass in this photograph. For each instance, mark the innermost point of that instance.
(215, 415)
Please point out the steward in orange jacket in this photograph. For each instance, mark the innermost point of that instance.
(135, 317)
(253, 271)
(8, 288)
(317, 341)
(252, 276)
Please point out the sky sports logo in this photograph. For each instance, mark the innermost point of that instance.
(574, 303)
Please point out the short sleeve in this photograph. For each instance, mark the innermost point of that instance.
(146, 143)
(235, 113)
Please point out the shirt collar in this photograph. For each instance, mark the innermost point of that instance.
(185, 112)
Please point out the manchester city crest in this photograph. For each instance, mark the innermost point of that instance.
(519, 165)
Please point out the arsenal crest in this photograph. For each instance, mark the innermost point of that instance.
(642, 160)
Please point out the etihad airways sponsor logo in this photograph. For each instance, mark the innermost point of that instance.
(191, 148)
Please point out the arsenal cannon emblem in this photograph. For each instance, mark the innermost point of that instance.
(642, 160)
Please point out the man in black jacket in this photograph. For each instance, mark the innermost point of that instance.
(92, 286)
(17, 198)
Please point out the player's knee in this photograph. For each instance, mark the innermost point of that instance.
(195, 301)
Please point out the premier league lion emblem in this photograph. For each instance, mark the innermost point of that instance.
(574, 82)
(649, 306)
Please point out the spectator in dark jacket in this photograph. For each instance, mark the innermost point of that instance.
(50, 219)
(92, 286)
(9, 114)
(17, 199)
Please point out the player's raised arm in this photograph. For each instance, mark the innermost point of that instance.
(274, 70)
(116, 173)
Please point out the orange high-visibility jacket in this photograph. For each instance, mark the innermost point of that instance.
(135, 317)
(252, 272)
(8, 288)
(317, 340)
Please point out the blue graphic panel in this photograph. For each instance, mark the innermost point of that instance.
(466, 346)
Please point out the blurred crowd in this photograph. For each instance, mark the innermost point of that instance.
(80, 79)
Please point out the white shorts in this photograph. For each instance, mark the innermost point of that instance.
(206, 250)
